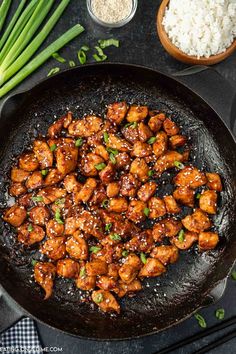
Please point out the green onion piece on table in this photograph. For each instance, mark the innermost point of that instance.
(41, 58)
(220, 314)
(71, 63)
(104, 43)
(201, 320)
(85, 48)
(100, 56)
(82, 56)
(4, 11)
(52, 72)
(58, 58)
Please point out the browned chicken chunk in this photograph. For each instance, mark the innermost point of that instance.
(136, 211)
(208, 201)
(190, 177)
(167, 161)
(116, 112)
(177, 141)
(185, 196)
(170, 127)
(185, 241)
(18, 175)
(29, 234)
(86, 191)
(55, 129)
(161, 144)
(113, 189)
(152, 268)
(165, 254)
(144, 132)
(35, 180)
(118, 205)
(106, 301)
(44, 274)
(197, 222)
(17, 189)
(28, 162)
(208, 240)
(171, 205)
(141, 149)
(147, 191)
(43, 153)
(155, 123)
(66, 156)
(77, 246)
(67, 268)
(157, 208)
(15, 215)
(140, 169)
(39, 215)
(54, 229)
(85, 127)
(129, 185)
(54, 248)
(137, 113)
(214, 181)
(130, 268)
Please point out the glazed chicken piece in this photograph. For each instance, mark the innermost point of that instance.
(140, 169)
(147, 191)
(171, 205)
(15, 215)
(67, 268)
(117, 143)
(100, 150)
(170, 127)
(208, 201)
(129, 185)
(17, 189)
(161, 144)
(39, 215)
(18, 175)
(71, 184)
(152, 268)
(177, 141)
(165, 254)
(53, 177)
(137, 113)
(167, 161)
(96, 267)
(116, 112)
(158, 231)
(185, 196)
(130, 133)
(29, 234)
(141, 149)
(207, 240)
(129, 270)
(35, 180)
(142, 242)
(214, 181)
(106, 301)
(104, 254)
(54, 248)
(168, 227)
(118, 205)
(157, 208)
(85, 127)
(99, 195)
(89, 164)
(51, 194)
(190, 177)
(197, 222)
(28, 162)
(55, 129)
(144, 132)
(90, 224)
(54, 229)
(186, 241)
(113, 189)
(66, 158)
(106, 283)
(85, 282)
(77, 246)
(123, 161)
(26, 200)
(136, 211)
(85, 192)
(44, 274)
(130, 288)
(108, 173)
(155, 123)
(43, 154)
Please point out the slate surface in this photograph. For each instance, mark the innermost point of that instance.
(140, 45)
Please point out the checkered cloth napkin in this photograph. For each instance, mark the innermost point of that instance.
(23, 335)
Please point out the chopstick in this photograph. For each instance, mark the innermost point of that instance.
(216, 343)
(198, 336)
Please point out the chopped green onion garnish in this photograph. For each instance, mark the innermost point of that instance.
(146, 212)
(60, 201)
(125, 253)
(44, 172)
(233, 275)
(112, 158)
(100, 166)
(58, 58)
(53, 147)
(82, 56)
(58, 217)
(100, 56)
(34, 262)
(98, 298)
(53, 71)
(220, 314)
(82, 272)
(37, 198)
(181, 236)
(179, 165)
(85, 48)
(108, 227)
(105, 203)
(152, 140)
(71, 63)
(143, 258)
(201, 320)
(198, 196)
(104, 43)
(106, 137)
(151, 173)
(131, 125)
(113, 151)
(30, 228)
(94, 249)
(79, 142)
(115, 237)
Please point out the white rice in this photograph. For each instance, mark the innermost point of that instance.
(201, 27)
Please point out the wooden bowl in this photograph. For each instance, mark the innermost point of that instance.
(177, 53)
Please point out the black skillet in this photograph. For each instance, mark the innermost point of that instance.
(166, 300)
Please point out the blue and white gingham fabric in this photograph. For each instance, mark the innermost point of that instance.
(21, 338)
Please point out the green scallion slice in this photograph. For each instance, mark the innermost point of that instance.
(220, 314)
(58, 58)
(112, 159)
(100, 166)
(115, 237)
(53, 147)
(108, 227)
(30, 228)
(146, 212)
(82, 56)
(125, 253)
(57, 217)
(98, 298)
(152, 140)
(79, 142)
(71, 63)
(44, 172)
(179, 165)
(105, 137)
(94, 249)
(143, 258)
(37, 198)
(181, 236)
(201, 320)
(104, 43)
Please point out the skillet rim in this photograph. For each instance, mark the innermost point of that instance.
(3, 291)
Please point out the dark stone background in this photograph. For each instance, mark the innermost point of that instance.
(140, 45)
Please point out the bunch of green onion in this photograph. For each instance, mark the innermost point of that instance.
(19, 42)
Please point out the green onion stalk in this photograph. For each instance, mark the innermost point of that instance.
(4, 11)
(41, 58)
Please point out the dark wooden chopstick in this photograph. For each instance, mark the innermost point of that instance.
(216, 343)
(198, 336)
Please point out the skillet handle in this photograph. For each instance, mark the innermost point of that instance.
(10, 313)
(216, 293)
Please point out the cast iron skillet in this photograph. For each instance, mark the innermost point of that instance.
(167, 299)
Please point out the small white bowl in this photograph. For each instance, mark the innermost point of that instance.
(114, 24)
